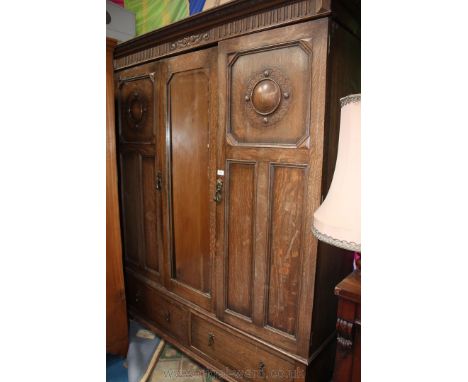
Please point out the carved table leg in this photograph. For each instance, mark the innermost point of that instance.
(344, 351)
(348, 327)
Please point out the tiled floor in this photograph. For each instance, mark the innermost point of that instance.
(175, 366)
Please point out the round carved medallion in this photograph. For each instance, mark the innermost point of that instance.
(266, 96)
(136, 110)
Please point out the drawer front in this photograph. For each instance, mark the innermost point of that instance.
(170, 316)
(247, 360)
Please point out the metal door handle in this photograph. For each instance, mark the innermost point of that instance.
(219, 189)
(210, 339)
(261, 368)
(158, 181)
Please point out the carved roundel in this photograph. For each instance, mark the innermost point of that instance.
(136, 108)
(267, 97)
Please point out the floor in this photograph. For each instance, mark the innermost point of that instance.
(174, 365)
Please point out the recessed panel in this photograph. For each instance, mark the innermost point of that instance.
(151, 210)
(240, 224)
(269, 92)
(189, 115)
(136, 110)
(286, 232)
(131, 204)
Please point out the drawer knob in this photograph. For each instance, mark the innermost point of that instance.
(261, 369)
(137, 296)
(211, 338)
(167, 316)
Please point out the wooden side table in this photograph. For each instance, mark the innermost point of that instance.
(348, 326)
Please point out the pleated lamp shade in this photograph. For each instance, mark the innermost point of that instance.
(338, 220)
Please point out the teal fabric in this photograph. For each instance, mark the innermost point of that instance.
(115, 370)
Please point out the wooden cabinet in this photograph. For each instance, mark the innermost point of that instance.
(228, 130)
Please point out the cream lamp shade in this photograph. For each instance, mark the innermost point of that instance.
(338, 220)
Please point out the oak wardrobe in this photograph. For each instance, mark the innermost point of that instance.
(227, 126)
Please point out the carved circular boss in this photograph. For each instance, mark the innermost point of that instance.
(136, 108)
(267, 97)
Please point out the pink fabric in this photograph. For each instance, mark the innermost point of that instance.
(119, 2)
(357, 259)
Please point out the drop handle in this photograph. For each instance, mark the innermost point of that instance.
(158, 181)
(211, 339)
(261, 369)
(167, 316)
(219, 189)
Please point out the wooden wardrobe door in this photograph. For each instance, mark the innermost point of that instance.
(190, 113)
(140, 166)
(272, 103)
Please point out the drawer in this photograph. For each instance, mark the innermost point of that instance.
(168, 315)
(247, 360)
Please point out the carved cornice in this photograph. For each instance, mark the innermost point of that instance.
(230, 20)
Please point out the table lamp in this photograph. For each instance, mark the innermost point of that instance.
(338, 220)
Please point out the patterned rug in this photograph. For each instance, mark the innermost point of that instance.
(173, 365)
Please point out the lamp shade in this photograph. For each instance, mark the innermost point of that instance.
(338, 220)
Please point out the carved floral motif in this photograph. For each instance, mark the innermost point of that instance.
(189, 41)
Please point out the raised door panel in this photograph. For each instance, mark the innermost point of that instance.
(189, 100)
(141, 212)
(269, 91)
(136, 109)
(131, 207)
(240, 195)
(286, 236)
(272, 109)
(151, 213)
(190, 173)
